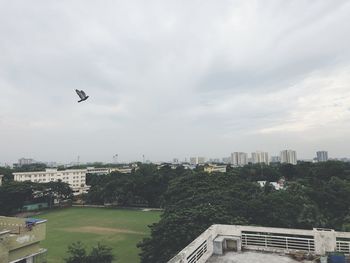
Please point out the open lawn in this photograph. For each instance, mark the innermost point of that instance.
(120, 229)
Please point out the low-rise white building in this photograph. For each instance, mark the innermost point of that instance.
(277, 185)
(211, 168)
(101, 170)
(76, 178)
(108, 170)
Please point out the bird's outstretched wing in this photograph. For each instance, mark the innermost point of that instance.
(83, 93)
(81, 96)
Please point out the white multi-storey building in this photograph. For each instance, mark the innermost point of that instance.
(322, 156)
(288, 156)
(108, 170)
(76, 178)
(239, 158)
(260, 157)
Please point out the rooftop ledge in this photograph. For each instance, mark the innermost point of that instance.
(225, 242)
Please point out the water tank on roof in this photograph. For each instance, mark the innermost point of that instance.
(336, 259)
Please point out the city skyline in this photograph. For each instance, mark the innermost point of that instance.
(170, 80)
(235, 158)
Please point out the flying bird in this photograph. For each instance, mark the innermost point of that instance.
(81, 95)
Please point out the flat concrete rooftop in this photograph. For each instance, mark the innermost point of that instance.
(251, 257)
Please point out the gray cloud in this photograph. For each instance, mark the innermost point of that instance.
(173, 79)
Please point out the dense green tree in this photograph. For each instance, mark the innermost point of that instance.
(316, 195)
(7, 173)
(13, 195)
(77, 254)
(100, 254)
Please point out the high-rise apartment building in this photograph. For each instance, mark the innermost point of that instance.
(288, 156)
(260, 157)
(25, 161)
(239, 158)
(322, 156)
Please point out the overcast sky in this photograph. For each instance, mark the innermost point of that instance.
(173, 78)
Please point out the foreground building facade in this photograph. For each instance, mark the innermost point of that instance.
(20, 240)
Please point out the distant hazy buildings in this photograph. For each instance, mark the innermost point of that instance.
(197, 160)
(322, 156)
(226, 160)
(275, 159)
(239, 158)
(214, 160)
(288, 156)
(25, 161)
(260, 157)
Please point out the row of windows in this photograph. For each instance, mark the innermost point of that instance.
(40, 180)
(43, 175)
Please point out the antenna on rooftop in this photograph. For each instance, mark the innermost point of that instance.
(143, 158)
(78, 160)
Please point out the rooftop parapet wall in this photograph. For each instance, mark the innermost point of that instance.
(19, 233)
(28, 237)
(4, 239)
(16, 225)
(200, 250)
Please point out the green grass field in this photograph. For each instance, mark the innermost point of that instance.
(120, 229)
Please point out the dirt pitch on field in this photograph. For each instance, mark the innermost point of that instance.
(120, 229)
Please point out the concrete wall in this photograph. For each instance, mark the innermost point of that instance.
(208, 236)
(4, 235)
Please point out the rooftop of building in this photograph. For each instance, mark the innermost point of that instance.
(20, 238)
(253, 256)
(243, 244)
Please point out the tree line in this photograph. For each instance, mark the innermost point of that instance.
(315, 195)
(14, 195)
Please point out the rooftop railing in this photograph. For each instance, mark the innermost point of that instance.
(316, 241)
